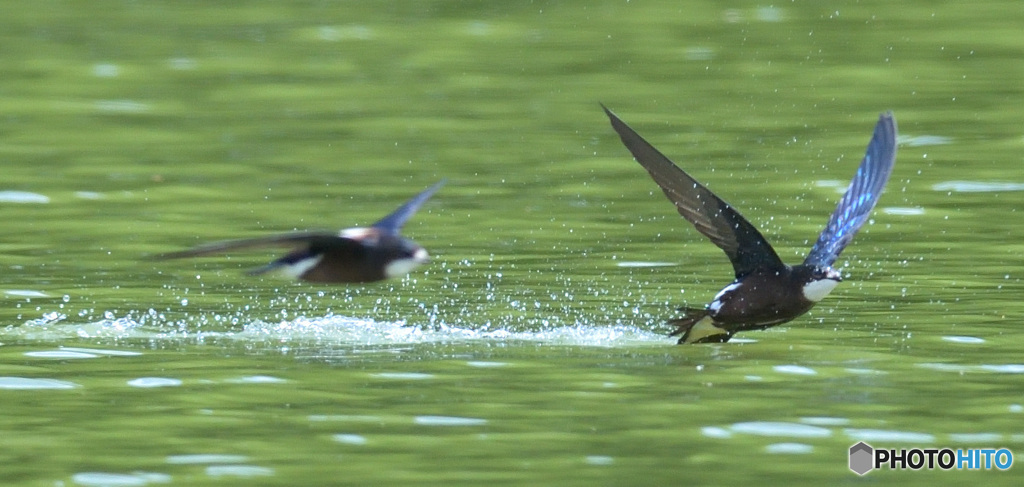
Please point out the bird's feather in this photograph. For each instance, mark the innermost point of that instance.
(860, 197)
(746, 248)
(393, 223)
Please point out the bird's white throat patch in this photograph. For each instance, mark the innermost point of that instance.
(815, 291)
(401, 267)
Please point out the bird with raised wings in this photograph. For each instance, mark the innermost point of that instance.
(353, 255)
(766, 292)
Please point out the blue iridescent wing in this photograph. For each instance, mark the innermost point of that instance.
(393, 223)
(746, 248)
(860, 198)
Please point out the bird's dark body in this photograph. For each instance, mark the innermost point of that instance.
(760, 300)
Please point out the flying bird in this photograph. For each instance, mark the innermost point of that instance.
(353, 255)
(766, 292)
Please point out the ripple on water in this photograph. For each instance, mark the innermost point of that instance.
(404, 375)
(103, 479)
(256, 379)
(945, 367)
(794, 369)
(448, 421)
(25, 293)
(238, 471)
(825, 421)
(883, 436)
(902, 211)
(857, 371)
(485, 364)
(599, 460)
(977, 186)
(959, 368)
(60, 354)
(715, 432)
(100, 351)
(147, 382)
(25, 383)
(789, 448)
(121, 106)
(963, 339)
(205, 458)
(358, 418)
(1003, 368)
(76, 353)
(923, 140)
(349, 439)
(641, 264)
(23, 197)
(778, 428)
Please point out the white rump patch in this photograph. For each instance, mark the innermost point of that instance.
(297, 269)
(402, 267)
(726, 289)
(703, 329)
(815, 291)
(716, 302)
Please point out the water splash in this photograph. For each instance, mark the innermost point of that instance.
(323, 330)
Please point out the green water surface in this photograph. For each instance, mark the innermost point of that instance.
(532, 349)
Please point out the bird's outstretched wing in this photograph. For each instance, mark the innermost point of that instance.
(862, 195)
(746, 248)
(393, 222)
(283, 240)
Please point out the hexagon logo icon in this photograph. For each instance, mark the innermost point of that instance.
(862, 457)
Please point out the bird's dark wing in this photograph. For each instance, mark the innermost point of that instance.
(726, 228)
(393, 222)
(860, 198)
(283, 240)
